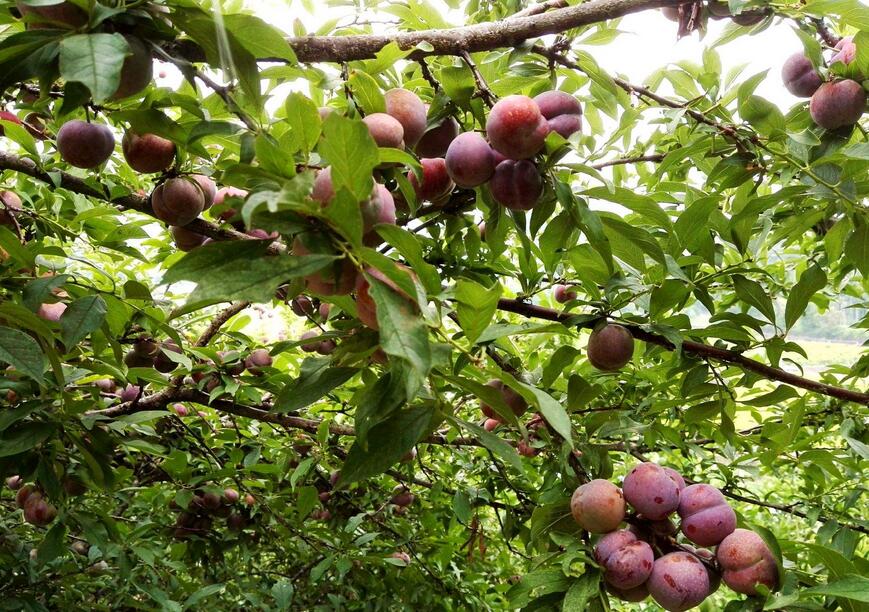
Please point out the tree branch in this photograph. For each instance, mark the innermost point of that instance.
(697, 348)
(658, 157)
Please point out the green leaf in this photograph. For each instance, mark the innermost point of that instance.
(53, 544)
(95, 61)
(22, 352)
(204, 592)
(753, 294)
(312, 384)
(376, 403)
(24, 438)
(409, 247)
(304, 120)
(81, 318)
(494, 443)
(259, 38)
(351, 153)
(367, 92)
(476, 306)
(581, 592)
(851, 586)
(811, 281)
(388, 442)
(236, 270)
(552, 411)
(857, 247)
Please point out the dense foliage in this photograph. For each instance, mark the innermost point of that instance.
(238, 380)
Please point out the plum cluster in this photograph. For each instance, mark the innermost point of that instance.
(197, 518)
(834, 104)
(646, 558)
(37, 510)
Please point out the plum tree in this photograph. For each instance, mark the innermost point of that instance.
(516, 184)
(627, 561)
(800, 76)
(178, 201)
(516, 127)
(406, 108)
(838, 104)
(85, 145)
(598, 506)
(470, 160)
(678, 581)
(746, 561)
(147, 152)
(436, 140)
(561, 110)
(610, 347)
(385, 129)
(512, 399)
(651, 491)
(706, 516)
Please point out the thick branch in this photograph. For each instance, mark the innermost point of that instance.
(700, 349)
(481, 37)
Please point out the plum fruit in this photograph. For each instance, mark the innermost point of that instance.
(385, 130)
(178, 201)
(184, 239)
(516, 127)
(563, 293)
(679, 581)
(627, 561)
(337, 278)
(406, 108)
(162, 363)
(366, 308)
(846, 51)
(561, 110)
(85, 145)
(436, 181)
(651, 491)
(436, 141)
(516, 185)
(799, 76)
(10, 203)
(470, 160)
(209, 189)
(747, 561)
(258, 359)
(598, 506)
(514, 401)
(147, 153)
(137, 71)
(838, 104)
(706, 516)
(610, 347)
(51, 312)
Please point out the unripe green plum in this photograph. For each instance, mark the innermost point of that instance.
(799, 76)
(561, 110)
(706, 516)
(147, 153)
(436, 141)
(747, 561)
(178, 201)
(627, 561)
(651, 491)
(137, 71)
(598, 506)
(516, 127)
(406, 108)
(436, 182)
(385, 130)
(514, 401)
(678, 582)
(85, 145)
(610, 347)
(470, 160)
(516, 185)
(184, 239)
(838, 104)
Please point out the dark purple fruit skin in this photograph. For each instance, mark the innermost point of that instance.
(162, 363)
(147, 153)
(626, 560)
(517, 185)
(178, 201)
(85, 145)
(184, 239)
(838, 104)
(799, 76)
(470, 160)
(561, 110)
(436, 141)
(610, 348)
(436, 181)
(137, 71)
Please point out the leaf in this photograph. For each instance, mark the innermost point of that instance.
(95, 61)
(857, 247)
(811, 281)
(311, 385)
(388, 442)
(304, 120)
(581, 592)
(235, 270)
(367, 92)
(851, 586)
(53, 544)
(206, 591)
(259, 38)
(494, 443)
(753, 294)
(24, 438)
(81, 318)
(22, 352)
(377, 403)
(351, 153)
(552, 411)
(476, 306)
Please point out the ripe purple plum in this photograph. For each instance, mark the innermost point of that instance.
(401, 496)
(517, 185)
(651, 491)
(563, 293)
(378, 209)
(610, 347)
(514, 401)
(406, 108)
(137, 71)
(799, 76)
(184, 239)
(516, 127)
(130, 393)
(85, 145)
(209, 189)
(470, 160)
(627, 561)
(838, 104)
(147, 153)
(561, 110)
(178, 201)
(598, 506)
(436, 141)
(678, 582)
(63, 14)
(39, 512)
(436, 181)
(747, 561)
(675, 477)
(385, 130)
(706, 516)
(257, 360)
(302, 306)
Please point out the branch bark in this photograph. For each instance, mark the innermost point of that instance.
(697, 348)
